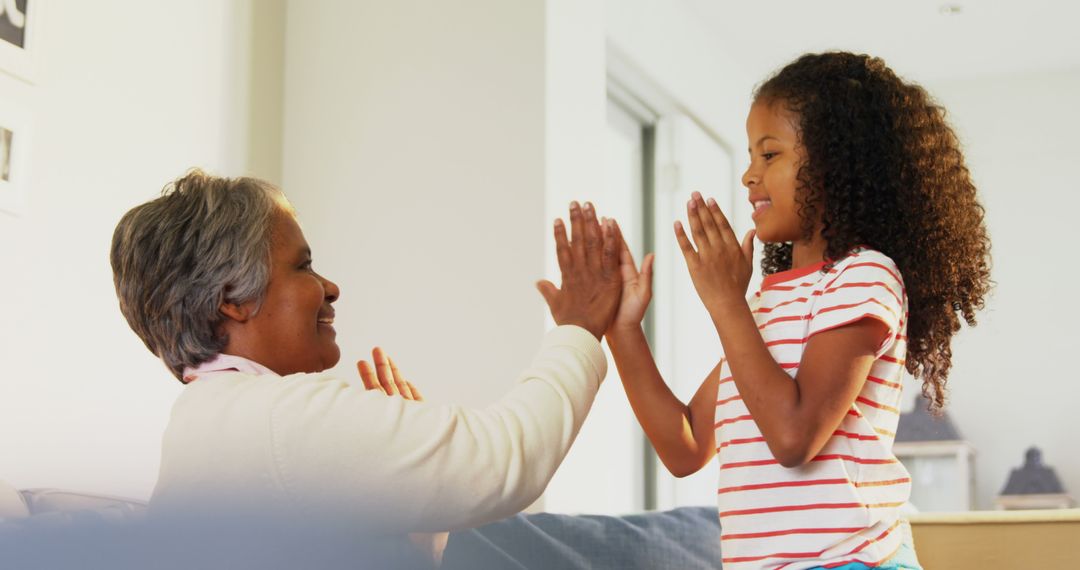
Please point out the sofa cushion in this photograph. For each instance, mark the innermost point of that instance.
(12, 504)
(57, 503)
(687, 538)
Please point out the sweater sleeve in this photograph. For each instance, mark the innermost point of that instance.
(415, 466)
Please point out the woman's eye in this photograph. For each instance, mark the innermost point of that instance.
(769, 155)
(306, 265)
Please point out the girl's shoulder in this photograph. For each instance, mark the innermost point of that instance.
(865, 257)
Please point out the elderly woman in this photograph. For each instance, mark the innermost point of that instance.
(216, 278)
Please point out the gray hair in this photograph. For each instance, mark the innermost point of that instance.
(177, 258)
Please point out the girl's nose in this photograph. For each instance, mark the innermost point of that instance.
(750, 177)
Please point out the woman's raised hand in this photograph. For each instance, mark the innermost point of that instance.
(719, 266)
(636, 285)
(589, 263)
(386, 377)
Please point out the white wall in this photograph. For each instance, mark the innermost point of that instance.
(414, 153)
(1013, 382)
(129, 94)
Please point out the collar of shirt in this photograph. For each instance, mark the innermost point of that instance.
(223, 363)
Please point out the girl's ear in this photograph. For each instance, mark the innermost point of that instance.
(238, 313)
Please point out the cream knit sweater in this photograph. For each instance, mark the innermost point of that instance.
(309, 443)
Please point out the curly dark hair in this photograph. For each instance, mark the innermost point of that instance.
(883, 169)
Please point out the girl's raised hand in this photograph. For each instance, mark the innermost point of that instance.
(719, 265)
(386, 377)
(636, 285)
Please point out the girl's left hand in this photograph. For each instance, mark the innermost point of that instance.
(386, 377)
(719, 266)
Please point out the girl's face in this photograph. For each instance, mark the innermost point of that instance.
(775, 157)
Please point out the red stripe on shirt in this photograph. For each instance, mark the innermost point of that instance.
(839, 433)
(777, 485)
(872, 264)
(863, 284)
(791, 531)
(777, 555)
(884, 382)
(858, 436)
(735, 419)
(777, 306)
(740, 441)
(863, 546)
(790, 508)
(784, 320)
(883, 483)
(853, 305)
(877, 405)
(726, 400)
(826, 457)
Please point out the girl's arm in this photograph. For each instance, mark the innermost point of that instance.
(796, 418)
(682, 435)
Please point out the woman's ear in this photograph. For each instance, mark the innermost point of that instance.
(238, 313)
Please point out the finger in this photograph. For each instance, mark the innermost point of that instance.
(720, 221)
(549, 291)
(415, 392)
(382, 369)
(647, 271)
(400, 381)
(684, 242)
(627, 267)
(613, 243)
(593, 238)
(562, 247)
(577, 233)
(367, 376)
(705, 216)
(748, 246)
(701, 240)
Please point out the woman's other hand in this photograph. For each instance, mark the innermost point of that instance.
(720, 266)
(589, 263)
(386, 377)
(636, 285)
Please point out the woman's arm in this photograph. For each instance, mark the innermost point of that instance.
(682, 435)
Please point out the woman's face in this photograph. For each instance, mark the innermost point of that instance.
(293, 329)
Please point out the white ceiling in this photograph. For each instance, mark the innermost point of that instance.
(913, 36)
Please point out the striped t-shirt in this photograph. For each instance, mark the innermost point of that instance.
(842, 506)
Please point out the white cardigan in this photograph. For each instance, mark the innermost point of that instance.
(310, 442)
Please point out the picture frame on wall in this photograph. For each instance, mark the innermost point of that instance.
(14, 160)
(19, 37)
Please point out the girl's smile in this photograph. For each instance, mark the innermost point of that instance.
(760, 205)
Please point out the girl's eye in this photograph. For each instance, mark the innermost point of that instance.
(769, 155)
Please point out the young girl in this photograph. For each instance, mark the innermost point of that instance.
(875, 247)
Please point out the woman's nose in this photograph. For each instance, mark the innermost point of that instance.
(331, 289)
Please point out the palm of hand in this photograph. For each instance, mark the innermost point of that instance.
(636, 287)
(719, 265)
